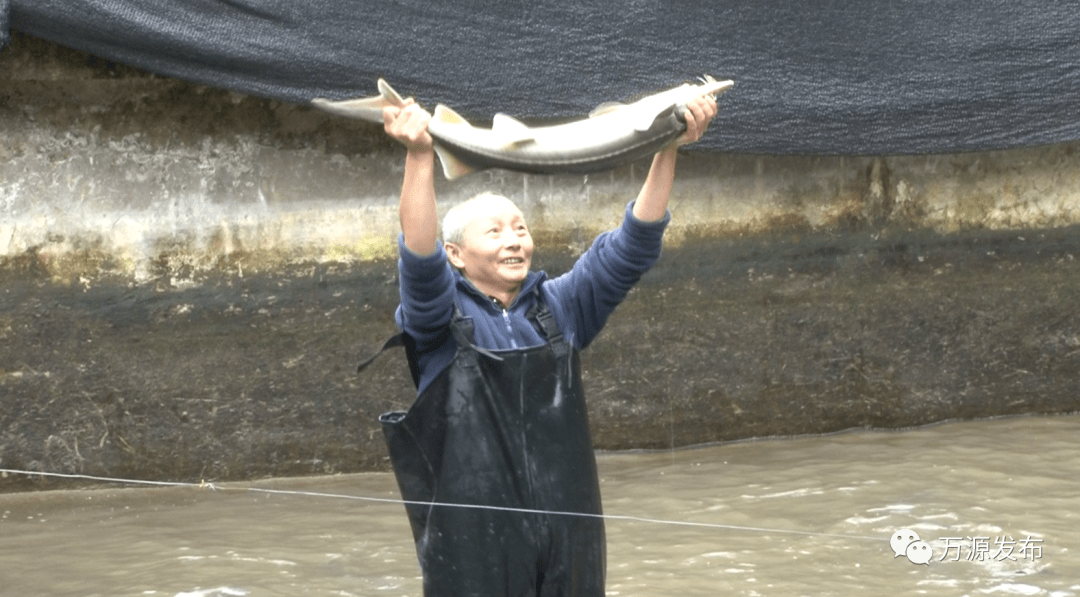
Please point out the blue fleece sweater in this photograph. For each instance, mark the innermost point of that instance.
(580, 300)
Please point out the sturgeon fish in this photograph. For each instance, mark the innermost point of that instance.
(612, 134)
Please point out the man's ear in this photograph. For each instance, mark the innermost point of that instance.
(453, 253)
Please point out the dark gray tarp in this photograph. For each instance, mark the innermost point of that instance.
(819, 77)
(5, 33)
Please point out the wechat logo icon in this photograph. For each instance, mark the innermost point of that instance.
(906, 542)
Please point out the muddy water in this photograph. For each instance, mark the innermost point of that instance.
(996, 502)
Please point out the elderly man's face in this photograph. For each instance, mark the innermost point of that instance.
(496, 249)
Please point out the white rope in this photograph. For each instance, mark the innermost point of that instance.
(624, 517)
(8, 471)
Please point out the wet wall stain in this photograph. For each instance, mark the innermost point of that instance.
(726, 339)
(239, 377)
(776, 337)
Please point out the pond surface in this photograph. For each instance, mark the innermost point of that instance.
(996, 502)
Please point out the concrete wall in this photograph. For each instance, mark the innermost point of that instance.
(188, 277)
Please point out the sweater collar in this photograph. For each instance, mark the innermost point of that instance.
(530, 285)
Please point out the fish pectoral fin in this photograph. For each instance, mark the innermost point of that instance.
(443, 123)
(606, 108)
(452, 167)
(644, 122)
(511, 131)
(638, 116)
(365, 108)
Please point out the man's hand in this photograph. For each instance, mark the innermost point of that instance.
(699, 112)
(409, 125)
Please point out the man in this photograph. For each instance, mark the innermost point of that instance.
(495, 456)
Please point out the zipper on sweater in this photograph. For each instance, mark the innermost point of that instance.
(509, 328)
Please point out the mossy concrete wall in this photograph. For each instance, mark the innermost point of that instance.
(188, 278)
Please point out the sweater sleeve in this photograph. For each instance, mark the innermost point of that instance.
(427, 299)
(583, 298)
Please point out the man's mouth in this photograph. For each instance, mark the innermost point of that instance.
(513, 260)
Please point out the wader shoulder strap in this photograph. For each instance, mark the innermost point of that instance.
(465, 333)
(460, 327)
(401, 339)
(544, 321)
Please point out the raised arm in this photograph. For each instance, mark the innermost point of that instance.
(584, 297)
(424, 275)
(419, 218)
(652, 201)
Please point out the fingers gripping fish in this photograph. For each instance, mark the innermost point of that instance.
(612, 135)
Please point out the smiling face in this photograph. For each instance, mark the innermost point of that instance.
(495, 251)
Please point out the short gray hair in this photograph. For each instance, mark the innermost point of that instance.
(458, 217)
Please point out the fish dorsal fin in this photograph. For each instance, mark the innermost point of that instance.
(641, 119)
(606, 108)
(444, 115)
(511, 131)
